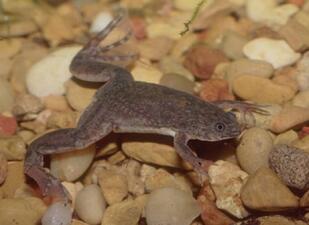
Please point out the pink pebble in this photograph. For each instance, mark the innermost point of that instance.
(8, 125)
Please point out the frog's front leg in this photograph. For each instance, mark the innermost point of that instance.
(199, 165)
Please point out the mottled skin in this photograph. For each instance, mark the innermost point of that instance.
(123, 105)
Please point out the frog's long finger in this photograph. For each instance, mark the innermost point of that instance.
(114, 58)
(117, 43)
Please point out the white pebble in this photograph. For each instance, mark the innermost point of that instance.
(90, 195)
(276, 52)
(47, 77)
(171, 206)
(100, 22)
(58, 213)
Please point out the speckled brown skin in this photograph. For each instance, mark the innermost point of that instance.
(123, 105)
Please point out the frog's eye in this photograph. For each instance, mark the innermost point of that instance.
(219, 127)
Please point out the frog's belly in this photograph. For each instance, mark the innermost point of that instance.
(149, 130)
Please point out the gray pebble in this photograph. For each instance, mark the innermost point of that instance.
(291, 165)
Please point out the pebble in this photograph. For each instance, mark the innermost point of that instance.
(70, 166)
(78, 222)
(90, 195)
(155, 48)
(152, 152)
(9, 48)
(286, 137)
(304, 201)
(18, 28)
(276, 52)
(261, 90)
(254, 148)
(101, 20)
(272, 220)
(226, 180)
(301, 99)
(215, 90)
(185, 5)
(169, 65)
(62, 119)
(138, 27)
(14, 180)
(302, 143)
(8, 125)
(57, 213)
(3, 168)
(27, 104)
(177, 82)
(160, 178)
(232, 45)
(72, 189)
(291, 165)
(303, 68)
(47, 77)
(264, 191)
(25, 211)
(56, 103)
(114, 186)
(124, 213)
(6, 67)
(182, 45)
(269, 12)
(144, 71)
(202, 60)
(13, 148)
(159, 29)
(287, 77)
(6, 96)
(171, 206)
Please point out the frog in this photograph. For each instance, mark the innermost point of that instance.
(123, 105)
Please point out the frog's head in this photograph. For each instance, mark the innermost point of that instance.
(223, 125)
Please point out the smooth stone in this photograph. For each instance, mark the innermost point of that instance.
(6, 96)
(264, 191)
(57, 213)
(171, 206)
(14, 180)
(215, 90)
(70, 166)
(301, 99)
(254, 148)
(276, 52)
(303, 72)
(13, 147)
(56, 103)
(8, 125)
(3, 168)
(169, 65)
(232, 45)
(302, 143)
(261, 90)
(304, 201)
(101, 20)
(148, 48)
(25, 211)
(226, 180)
(9, 48)
(145, 72)
(124, 213)
(27, 104)
(291, 165)
(78, 222)
(177, 82)
(66, 119)
(273, 220)
(114, 186)
(286, 138)
(90, 195)
(47, 77)
(186, 5)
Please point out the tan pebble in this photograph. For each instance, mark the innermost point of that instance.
(157, 29)
(162, 179)
(226, 180)
(27, 104)
(20, 27)
(30, 54)
(72, 189)
(71, 165)
(273, 220)
(6, 96)
(6, 67)
(116, 158)
(182, 45)
(286, 138)
(215, 90)
(301, 99)
(202, 60)
(124, 213)
(171, 206)
(177, 82)
(62, 119)
(107, 146)
(9, 48)
(261, 90)
(146, 72)
(24, 191)
(26, 211)
(170, 65)
(185, 5)
(3, 168)
(264, 191)
(35, 126)
(15, 178)
(13, 148)
(79, 95)
(232, 45)
(26, 135)
(77, 222)
(304, 201)
(114, 186)
(90, 195)
(56, 103)
(288, 117)
(302, 143)
(303, 68)
(152, 152)
(210, 214)
(149, 48)
(287, 77)
(253, 149)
